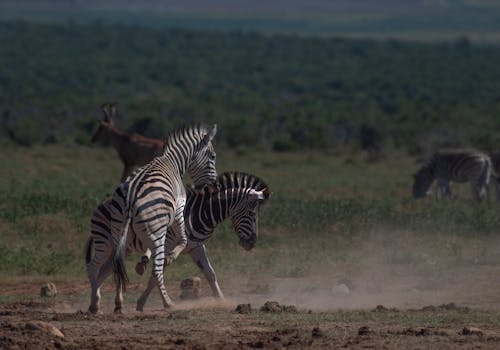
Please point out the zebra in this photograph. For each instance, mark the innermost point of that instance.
(457, 166)
(152, 199)
(236, 195)
(495, 161)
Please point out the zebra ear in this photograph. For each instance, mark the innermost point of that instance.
(210, 134)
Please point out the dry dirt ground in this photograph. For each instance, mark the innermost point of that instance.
(35, 323)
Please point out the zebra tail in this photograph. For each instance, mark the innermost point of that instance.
(88, 250)
(119, 271)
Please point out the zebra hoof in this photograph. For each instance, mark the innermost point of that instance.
(118, 311)
(169, 305)
(93, 310)
(140, 268)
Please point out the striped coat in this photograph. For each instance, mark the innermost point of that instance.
(454, 166)
(237, 196)
(152, 200)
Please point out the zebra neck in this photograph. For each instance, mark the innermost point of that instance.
(205, 212)
(178, 158)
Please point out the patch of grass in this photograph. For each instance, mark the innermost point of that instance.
(322, 206)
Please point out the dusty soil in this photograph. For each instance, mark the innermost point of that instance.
(207, 324)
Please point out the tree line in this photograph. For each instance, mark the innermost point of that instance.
(279, 92)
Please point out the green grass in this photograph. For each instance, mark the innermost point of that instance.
(323, 204)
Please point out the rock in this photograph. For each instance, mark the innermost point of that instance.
(423, 332)
(48, 290)
(243, 308)
(364, 330)
(271, 306)
(380, 308)
(44, 327)
(190, 288)
(316, 332)
(419, 332)
(471, 331)
(274, 306)
(341, 289)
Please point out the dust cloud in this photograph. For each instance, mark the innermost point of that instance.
(394, 269)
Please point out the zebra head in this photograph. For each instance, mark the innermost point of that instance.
(192, 149)
(421, 183)
(202, 166)
(246, 194)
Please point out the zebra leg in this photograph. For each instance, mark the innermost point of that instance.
(118, 299)
(497, 188)
(199, 256)
(178, 229)
(141, 266)
(144, 296)
(479, 186)
(158, 257)
(94, 271)
(445, 188)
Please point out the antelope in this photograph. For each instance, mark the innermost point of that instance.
(133, 150)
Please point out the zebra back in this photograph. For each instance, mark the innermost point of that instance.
(450, 165)
(155, 194)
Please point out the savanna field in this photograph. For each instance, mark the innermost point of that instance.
(335, 240)
(334, 105)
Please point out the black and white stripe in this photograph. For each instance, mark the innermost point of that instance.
(152, 200)
(235, 195)
(457, 166)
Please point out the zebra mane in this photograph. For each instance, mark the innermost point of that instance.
(236, 180)
(183, 132)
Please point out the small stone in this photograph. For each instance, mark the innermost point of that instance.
(423, 332)
(243, 308)
(190, 288)
(271, 306)
(48, 290)
(341, 289)
(380, 308)
(364, 330)
(316, 332)
(471, 331)
(44, 327)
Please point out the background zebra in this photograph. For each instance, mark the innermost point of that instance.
(495, 161)
(238, 196)
(152, 199)
(457, 166)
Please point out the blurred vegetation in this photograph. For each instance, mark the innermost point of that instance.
(280, 92)
(324, 211)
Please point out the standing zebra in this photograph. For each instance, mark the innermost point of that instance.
(457, 166)
(152, 199)
(495, 161)
(235, 195)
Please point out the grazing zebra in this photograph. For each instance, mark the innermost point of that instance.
(457, 166)
(133, 150)
(235, 195)
(495, 161)
(152, 199)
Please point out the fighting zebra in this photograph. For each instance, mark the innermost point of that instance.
(457, 166)
(234, 195)
(133, 150)
(152, 199)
